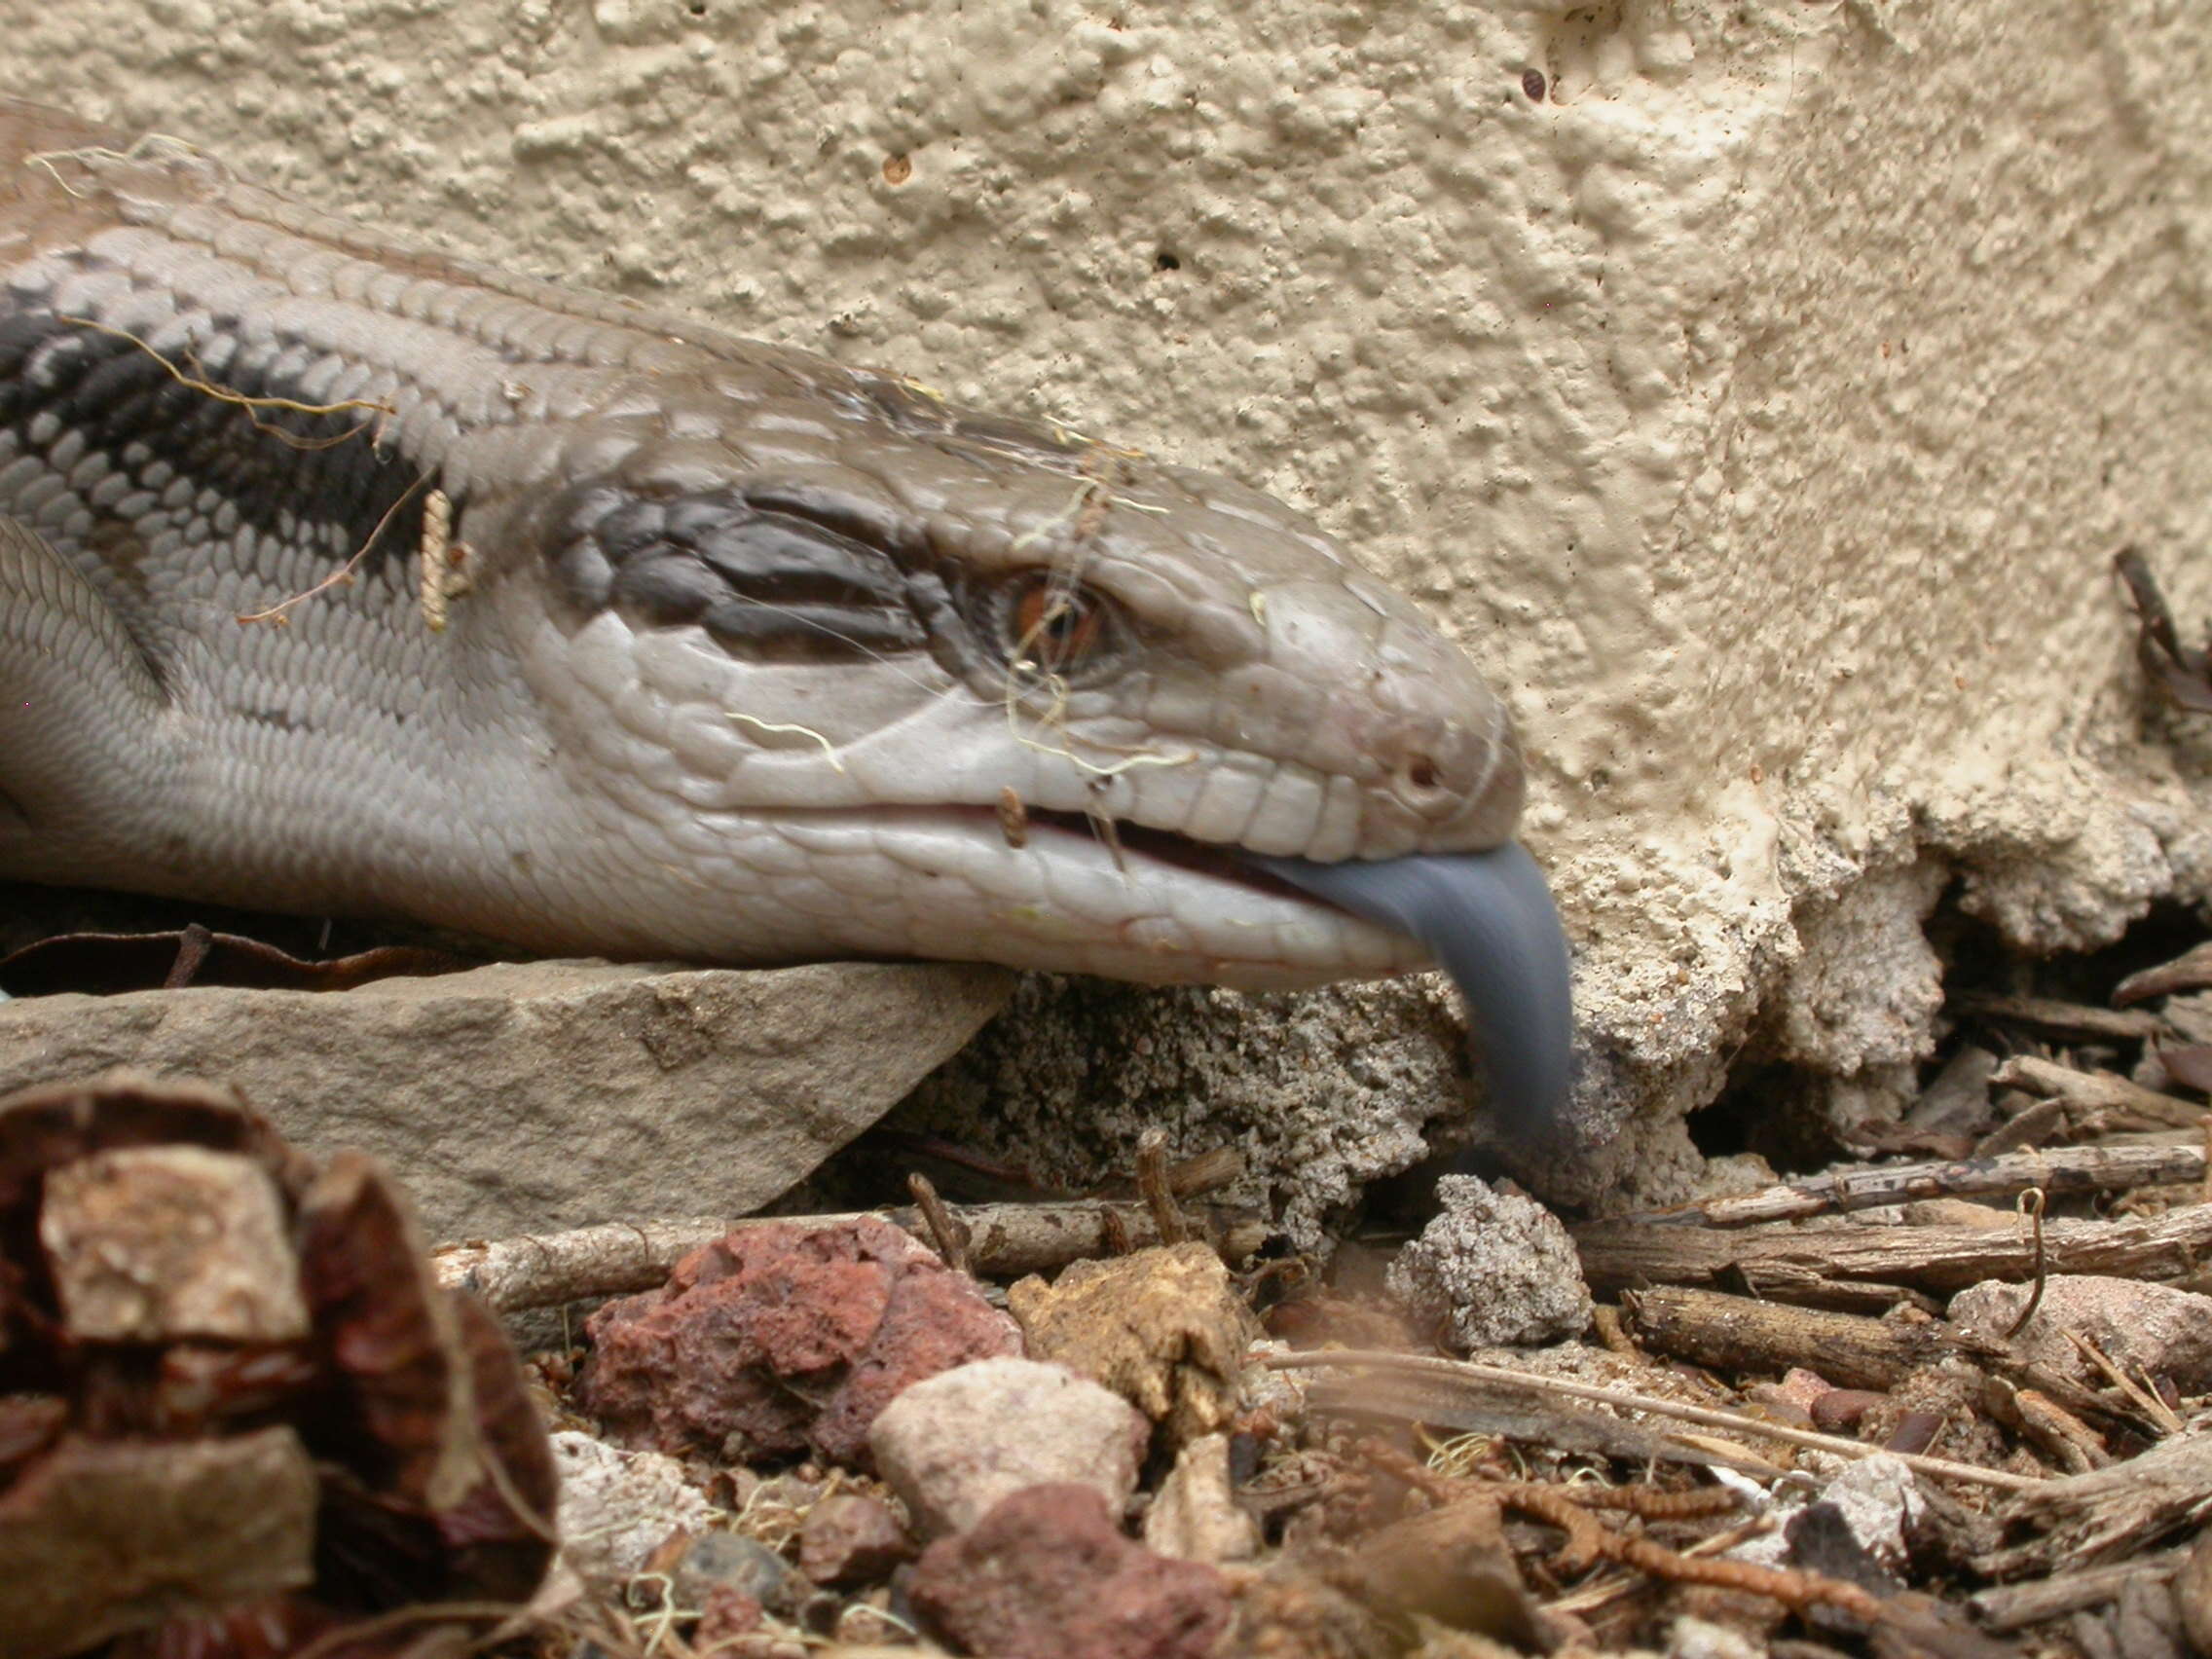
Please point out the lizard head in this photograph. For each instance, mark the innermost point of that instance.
(866, 673)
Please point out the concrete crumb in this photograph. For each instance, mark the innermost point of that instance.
(618, 1507)
(1492, 1269)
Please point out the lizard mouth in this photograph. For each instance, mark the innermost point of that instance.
(1489, 920)
(1486, 917)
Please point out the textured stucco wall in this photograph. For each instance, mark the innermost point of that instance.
(1761, 405)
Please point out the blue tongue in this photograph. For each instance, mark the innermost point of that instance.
(1489, 918)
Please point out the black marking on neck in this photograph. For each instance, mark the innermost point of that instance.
(282, 469)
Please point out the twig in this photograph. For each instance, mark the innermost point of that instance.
(1797, 1265)
(2180, 671)
(2031, 1207)
(1471, 1371)
(2056, 1170)
(192, 943)
(1589, 1541)
(2153, 1408)
(2098, 1094)
(944, 1232)
(1152, 1185)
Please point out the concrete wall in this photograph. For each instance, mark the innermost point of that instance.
(1759, 389)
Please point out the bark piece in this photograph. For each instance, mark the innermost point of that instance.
(2099, 1100)
(2055, 1170)
(2087, 1520)
(1806, 1264)
(2076, 1022)
(1736, 1334)
(2014, 1606)
(2192, 1592)
(2190, 971)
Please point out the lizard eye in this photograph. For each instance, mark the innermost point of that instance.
(1055, 622)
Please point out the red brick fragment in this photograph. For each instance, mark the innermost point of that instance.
(787, 1338)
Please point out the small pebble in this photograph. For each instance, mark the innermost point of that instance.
(953, 1445)
(848, 1538)
(724, 1561)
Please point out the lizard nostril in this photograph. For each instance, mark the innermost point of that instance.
(1420, 772)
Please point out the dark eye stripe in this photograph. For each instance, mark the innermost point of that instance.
(790, 630)
(768, 582)
(785, 559)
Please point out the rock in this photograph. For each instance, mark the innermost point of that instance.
(1450, 1565)
(850, 1538)
(724, 1562)
(1491, 1269)
(1803, 1387)
(1877, 1504)
(1048, 1573)
(956, 1445)
(523, 1098)
(1840, 1411)
(1163, 1327)
(2166, 1332)
(1699, 1639)
(1195, 1515)
(726, 1615)
(618, 1507)
(783, 1338)
(1293, 1612)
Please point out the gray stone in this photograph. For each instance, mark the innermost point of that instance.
(1491, 1269)
(527, 1096)
(746, 1566)
(953, 1445)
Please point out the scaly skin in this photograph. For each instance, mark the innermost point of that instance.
(760, 660)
